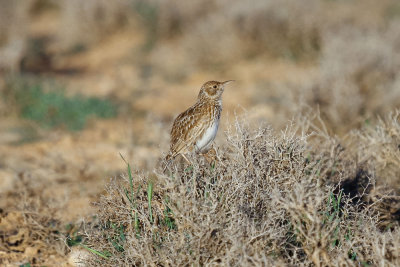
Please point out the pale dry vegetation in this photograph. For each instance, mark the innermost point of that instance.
(272, 198)
(30, 231)
(358, 76)
(320, 190)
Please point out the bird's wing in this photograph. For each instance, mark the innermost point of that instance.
(187, 128)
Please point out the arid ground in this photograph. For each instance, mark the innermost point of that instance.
(308, 152)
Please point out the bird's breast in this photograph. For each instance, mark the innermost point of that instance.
(204, 142)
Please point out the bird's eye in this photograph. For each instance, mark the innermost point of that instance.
(214, 86)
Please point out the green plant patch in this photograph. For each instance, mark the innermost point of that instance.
(393, 11)
(56, 109)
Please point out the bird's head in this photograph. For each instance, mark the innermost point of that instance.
(212, 90)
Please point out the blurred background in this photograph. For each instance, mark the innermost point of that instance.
(82, 81)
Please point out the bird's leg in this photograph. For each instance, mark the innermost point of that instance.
(166, 162)
(188, 161)
(166, 165)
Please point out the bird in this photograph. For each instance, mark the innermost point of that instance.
(195, 129)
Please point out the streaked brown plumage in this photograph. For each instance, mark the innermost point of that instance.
(195, 128)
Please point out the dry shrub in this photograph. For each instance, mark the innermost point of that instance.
(80, 25)
(359, 76)
(185, 35)
(379, 146)
(14, 18)
(29, 231)
(364, 163)
(218, 33)
(284, 27)
(83, 23)
(270, 199)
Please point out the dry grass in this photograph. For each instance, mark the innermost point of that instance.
(30, 233)
(379, 146)
(358, 77)
(270, 199)
(209, 33)
(13, 33)
(324, 191)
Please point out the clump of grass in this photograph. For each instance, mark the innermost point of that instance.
(379, 146)
(55, 109)
(285, 198)
(73, 238)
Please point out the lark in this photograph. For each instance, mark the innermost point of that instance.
(195, 129)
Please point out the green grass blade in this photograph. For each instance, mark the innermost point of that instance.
(149, 198)
(98, 253)
(130, 182)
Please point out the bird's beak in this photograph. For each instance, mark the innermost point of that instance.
(228, 81)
